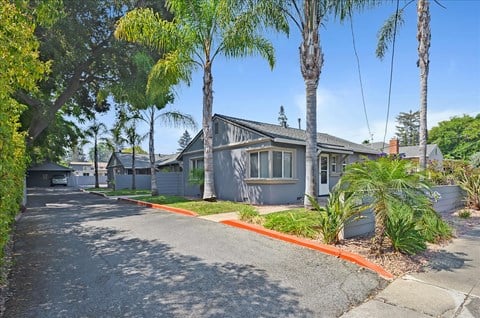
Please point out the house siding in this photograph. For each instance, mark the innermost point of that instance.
(228, 134)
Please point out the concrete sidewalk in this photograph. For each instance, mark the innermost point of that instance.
(450, 288)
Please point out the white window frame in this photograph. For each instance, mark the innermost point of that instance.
(344, 164)
(333, 163)
(194, 163)
(270, 152)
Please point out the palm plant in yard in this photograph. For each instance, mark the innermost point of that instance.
(381, 184)
(134, 139)
(200, 31)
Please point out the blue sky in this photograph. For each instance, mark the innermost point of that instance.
(247, 88)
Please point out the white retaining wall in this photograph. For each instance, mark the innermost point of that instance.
(451, 198)
(170, 183)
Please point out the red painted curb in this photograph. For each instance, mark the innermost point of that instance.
(160, 206)
(327, 249)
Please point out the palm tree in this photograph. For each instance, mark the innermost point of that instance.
(308, 15)
(95, 131)
(200, 31)
(168, 118)
(134, 139)
(382, 183)
(386, 34)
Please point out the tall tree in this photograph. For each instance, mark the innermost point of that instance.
(103, 152)
(408, 128)
(200, 31)
(282, 118)
(184, 140)
(386, 34)
(145, 103)
(308, 16)
(84, 58)
(95, 131)
(134, 139)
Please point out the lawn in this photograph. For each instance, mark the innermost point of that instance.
(299, 222)
(199, 206)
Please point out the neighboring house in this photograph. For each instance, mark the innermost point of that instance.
(41, 175)
(434, 154)
(87, 168)
(121, 164)
(263, 163)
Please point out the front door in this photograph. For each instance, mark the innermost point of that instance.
(323, 184)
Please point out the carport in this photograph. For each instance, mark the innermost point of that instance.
(40, 175)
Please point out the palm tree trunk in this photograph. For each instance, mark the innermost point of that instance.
(380, 229)
(423, 37)
(311, 62)
(151, 151)
(134, 173)
(209, 190)
(95, 161)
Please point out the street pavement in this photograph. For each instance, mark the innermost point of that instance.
(449, 288)
(81, 255)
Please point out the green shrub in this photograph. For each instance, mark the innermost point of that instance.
(470, 182)
(300, 222)
(339, 211)
(402, 232)
(249, 214)
(433, 228)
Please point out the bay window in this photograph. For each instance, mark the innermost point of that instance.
(275, 164)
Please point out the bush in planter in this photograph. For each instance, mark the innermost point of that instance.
(197, 177)
(470, 182)
(402, 231)
(340, 210)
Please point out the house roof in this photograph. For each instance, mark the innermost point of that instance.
(324, 141)
(143, 161)
(50, 166)
(407, 151)
(166, 160)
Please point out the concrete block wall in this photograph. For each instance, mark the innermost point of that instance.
(451, 198)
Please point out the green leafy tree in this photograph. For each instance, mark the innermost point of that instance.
(408, 128)
(200, 31)
(95, 131)
(184, 140)
(20, 68)
(85, 59)
(457, 137)
(380, 185)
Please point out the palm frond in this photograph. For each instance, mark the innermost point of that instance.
(386, 33)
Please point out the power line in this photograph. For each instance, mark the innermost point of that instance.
(391, 71)
(360, 75)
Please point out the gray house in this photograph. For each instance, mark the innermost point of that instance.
(434, 154)
(263, 163)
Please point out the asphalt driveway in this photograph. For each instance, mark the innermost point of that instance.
(81, 255)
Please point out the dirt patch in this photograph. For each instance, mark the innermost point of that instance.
(399, 264)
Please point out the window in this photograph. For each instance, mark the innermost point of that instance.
(334, 163)
(271, 164)
(197, 163)
(215, 128)
(344, 165)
